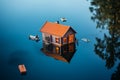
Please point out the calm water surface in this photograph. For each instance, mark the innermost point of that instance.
(20, 18)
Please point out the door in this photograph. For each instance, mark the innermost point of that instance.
(57, 50)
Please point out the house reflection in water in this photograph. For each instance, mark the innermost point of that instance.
(64, 53)
(58, 41)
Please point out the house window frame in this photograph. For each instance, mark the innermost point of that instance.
(64, 40)
(57, 40)
(47, 37)
(71, 38)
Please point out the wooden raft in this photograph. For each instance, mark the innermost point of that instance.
(22, 68)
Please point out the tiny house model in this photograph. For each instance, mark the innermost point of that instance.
(58, 36)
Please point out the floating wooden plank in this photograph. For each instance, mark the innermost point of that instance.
(22, 68)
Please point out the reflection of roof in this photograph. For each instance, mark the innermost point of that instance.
(55, 29)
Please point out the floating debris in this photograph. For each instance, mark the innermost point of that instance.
(22, 69)
(34, 38)
(63, 19)
(85, 40)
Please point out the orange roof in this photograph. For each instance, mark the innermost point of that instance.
(54, 29)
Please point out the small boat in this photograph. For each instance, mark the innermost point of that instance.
(34, 38)
(85, 40)
(63, 19)
(22, 68)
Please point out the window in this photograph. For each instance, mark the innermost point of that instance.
(71, 38)
(57, 40)
(47, 39)
(64, 40)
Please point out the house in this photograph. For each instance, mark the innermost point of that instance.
(57, 34)
(58, 39)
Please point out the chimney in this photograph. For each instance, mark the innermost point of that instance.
(57, 22)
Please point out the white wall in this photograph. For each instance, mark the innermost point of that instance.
(44, 35)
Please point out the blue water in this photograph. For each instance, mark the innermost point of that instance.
(20, 18)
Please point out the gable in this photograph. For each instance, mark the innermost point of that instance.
(70, 31)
